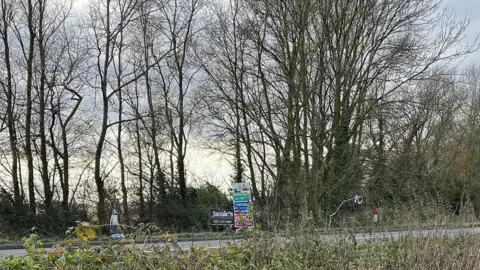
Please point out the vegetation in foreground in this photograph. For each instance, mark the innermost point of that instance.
(259, 251)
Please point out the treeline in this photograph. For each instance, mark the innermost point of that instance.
(313, 101)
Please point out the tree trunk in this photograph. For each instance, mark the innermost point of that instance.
(154, 133)
(153, 129)
(181, 135)
(102, 214)
(28, 112)
(66, 174)
(48, 193)
(10, 104)
(140, 169)
(119, 138)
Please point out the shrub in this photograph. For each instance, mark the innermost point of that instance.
(258, 251)
(16, 220)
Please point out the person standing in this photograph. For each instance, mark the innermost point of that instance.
(114, 222)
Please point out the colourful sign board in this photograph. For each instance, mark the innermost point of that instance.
(241, 201)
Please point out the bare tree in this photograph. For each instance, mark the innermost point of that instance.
(182, 29)
(226, 70)
(51, 17)
(108, 20)
(29, 58)
(119, 70)
(7, 9)
(66, 82)
(148, 39)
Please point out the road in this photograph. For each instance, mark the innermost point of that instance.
(360, 237)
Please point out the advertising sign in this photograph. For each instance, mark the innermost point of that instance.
(241, 201)
(243, 221)
(241, 198)
(241, 211)
(222, 217)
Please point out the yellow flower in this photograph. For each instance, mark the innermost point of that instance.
(69, 242)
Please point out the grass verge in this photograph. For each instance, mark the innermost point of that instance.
(264, 252)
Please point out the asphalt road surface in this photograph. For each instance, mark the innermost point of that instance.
(360, 237)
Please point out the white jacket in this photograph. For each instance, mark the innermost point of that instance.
(114, 219)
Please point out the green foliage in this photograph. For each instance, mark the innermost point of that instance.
(191, 214)
(16, 220)
(261, 252)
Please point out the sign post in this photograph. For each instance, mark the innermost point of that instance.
(242, 198)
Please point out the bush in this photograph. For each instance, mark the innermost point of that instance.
(191, 214)
(17, 220)
(259, 251)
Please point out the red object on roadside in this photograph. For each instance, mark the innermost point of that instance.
(375, 216)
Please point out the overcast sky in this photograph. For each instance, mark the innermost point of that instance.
(462, 7)
(470, 9)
